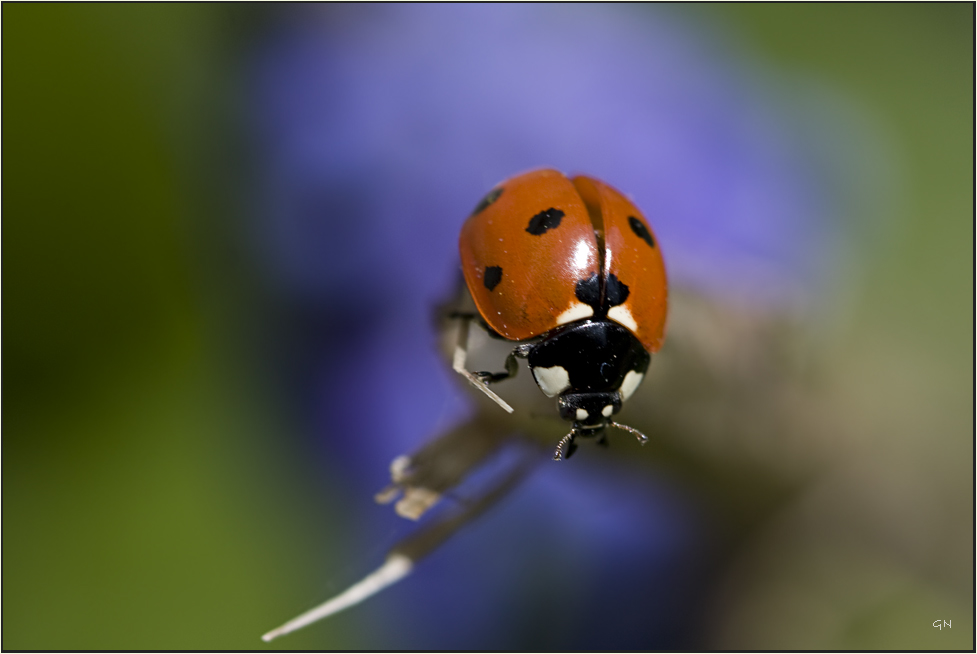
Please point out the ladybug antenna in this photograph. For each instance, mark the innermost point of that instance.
(565, 447)
(641, 437)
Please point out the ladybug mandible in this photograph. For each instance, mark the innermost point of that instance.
(570, 270)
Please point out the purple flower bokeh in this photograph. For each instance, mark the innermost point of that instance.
(377, 129)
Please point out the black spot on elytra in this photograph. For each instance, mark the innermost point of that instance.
(489, 198)
(545, 220)
(493, 275)
(639, 228)
(616, 292)
(588, 291)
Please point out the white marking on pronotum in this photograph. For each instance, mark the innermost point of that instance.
(552, 381)
(393, 570)
(630, 384)
(576, 311)
(582, 414)
(607, 411)
(622, 314)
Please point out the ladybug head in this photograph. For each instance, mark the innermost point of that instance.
(581, 409)
(585, 409)
(593, 367)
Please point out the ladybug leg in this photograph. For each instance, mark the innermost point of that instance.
(511, 368)
(460, 358)
(520, 351)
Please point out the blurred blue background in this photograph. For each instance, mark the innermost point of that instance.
(226, 232)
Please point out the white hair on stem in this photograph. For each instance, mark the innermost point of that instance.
(396, 567)
(405, 554)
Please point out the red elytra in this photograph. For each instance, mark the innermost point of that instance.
(531, 245)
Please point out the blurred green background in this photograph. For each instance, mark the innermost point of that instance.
(145, 503)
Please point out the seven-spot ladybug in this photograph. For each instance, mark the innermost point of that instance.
(569, 268)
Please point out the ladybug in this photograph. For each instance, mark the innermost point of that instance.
(569, 269)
